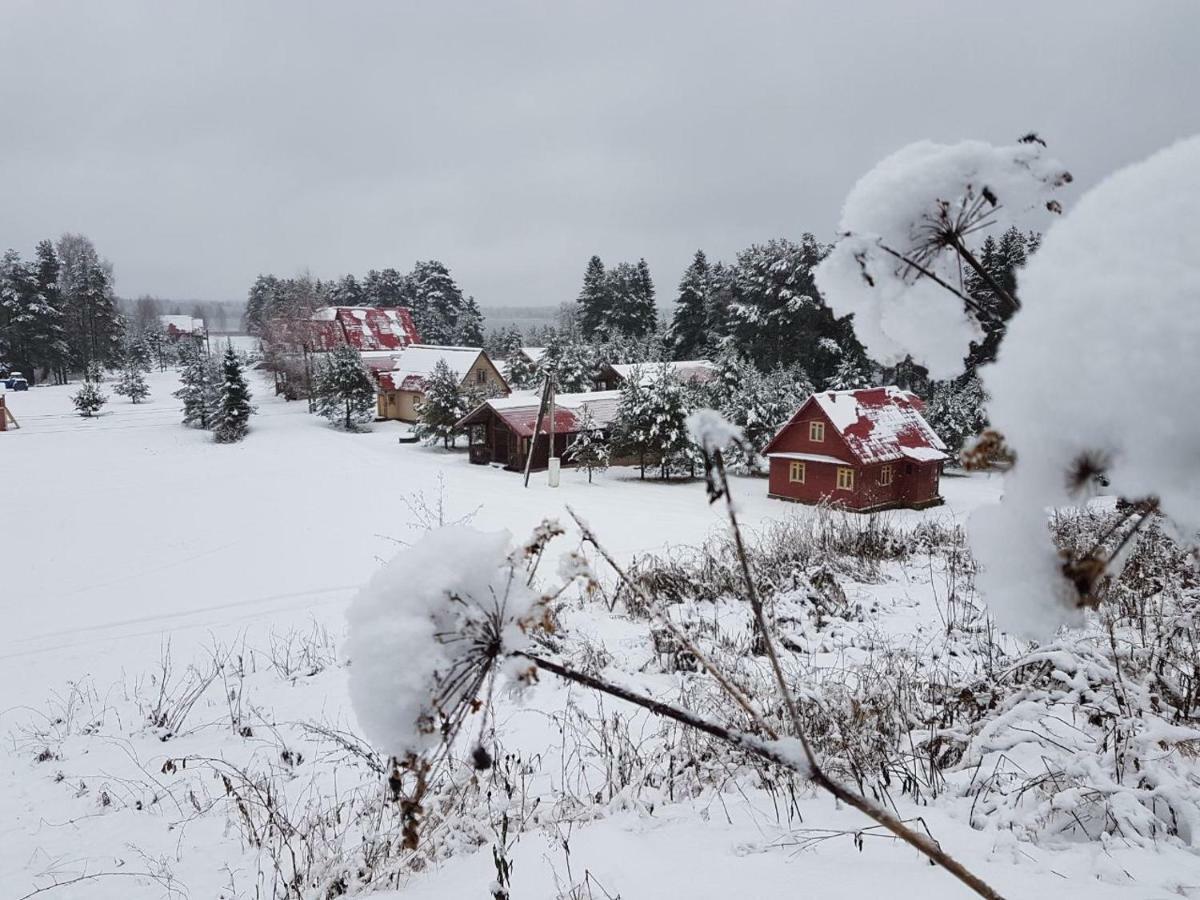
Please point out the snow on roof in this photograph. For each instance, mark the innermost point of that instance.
(878, 424)
(688, 370)
(808, 457)
(417, 361)
(364, 328)
(533, 354)
(520, 413)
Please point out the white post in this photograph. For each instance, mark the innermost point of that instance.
(552, 463)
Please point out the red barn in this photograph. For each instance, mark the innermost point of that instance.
(863, 450)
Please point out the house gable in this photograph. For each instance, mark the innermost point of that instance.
(794, 437)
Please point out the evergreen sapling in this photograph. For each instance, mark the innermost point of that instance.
(441, 407)
(88, 399)
(344, 393)
(589, 449)
(233, 409)
(132, 384)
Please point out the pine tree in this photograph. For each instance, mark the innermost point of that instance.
(261, 304)
(689, 327)
(594, 300)
(589, 449)
(200, 390)
(93, 325)
(343, 391)
(233, 406)
(441, 407)
(88, 399)
(132, 384)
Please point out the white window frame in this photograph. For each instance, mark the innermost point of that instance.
(886, 476)
(796, 466)
(816, 432)
(845, 478)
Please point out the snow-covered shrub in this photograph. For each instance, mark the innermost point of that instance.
(1097, 377)
(907, 229)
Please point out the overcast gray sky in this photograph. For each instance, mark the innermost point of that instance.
(201, 143)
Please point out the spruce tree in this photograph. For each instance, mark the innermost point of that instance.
(441, 407)
(88, 399)
(779, 317)
(343, 391)
(632, 426)
(689, 328)
(589, 449)
(132, 384)
(669, 435)
(233, 406)
(200, 379)
(594, 300)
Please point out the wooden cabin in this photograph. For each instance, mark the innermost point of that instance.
(499, 430)
(863, 450)
(402, 387)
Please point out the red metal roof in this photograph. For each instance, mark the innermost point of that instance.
(878, 424)
(365, 328)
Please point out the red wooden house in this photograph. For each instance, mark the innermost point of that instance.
(864, 450)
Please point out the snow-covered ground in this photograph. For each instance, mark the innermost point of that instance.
(127, 532)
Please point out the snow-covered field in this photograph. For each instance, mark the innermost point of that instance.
(128, 533)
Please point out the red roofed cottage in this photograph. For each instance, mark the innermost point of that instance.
(864, 450)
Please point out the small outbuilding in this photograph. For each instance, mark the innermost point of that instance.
(402, 387)
(864, 450)
(499, 430)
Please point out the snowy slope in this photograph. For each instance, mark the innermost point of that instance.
(131, 531)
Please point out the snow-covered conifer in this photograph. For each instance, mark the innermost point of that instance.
(689, 329)
(132, 384)
(594, 300)
(233, 407)
(343, 391)
(88, 399)
(589, 449)
(200, 379)
(851, 374)
(441, 407)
